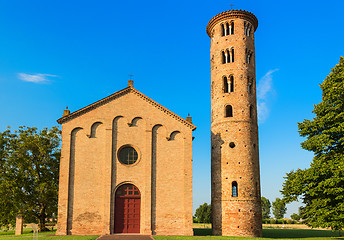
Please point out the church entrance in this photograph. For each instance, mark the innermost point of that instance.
(127, 209)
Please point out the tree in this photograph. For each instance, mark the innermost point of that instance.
(29, 174)
(278, 208)
(203, 213)
(266, 205)
(295, 216)
(321, 187)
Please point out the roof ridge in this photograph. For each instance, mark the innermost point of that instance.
(116, 95)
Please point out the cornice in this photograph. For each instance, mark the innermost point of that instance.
(118, 95)
(232, 14)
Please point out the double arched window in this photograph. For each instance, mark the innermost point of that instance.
(228, 84)
(228, 56)
(247, 28)
(227, 28)
(249, 54)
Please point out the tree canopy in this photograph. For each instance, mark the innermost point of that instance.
(29, 168)
(266, 205)
(278, 208)
(203, 213)
(321, 186)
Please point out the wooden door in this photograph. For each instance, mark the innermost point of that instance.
(127, 209)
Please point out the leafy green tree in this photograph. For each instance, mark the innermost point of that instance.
(29, 168)
(278, 208)
(266, 205)
(203, 213)
(321, 187)
(295, 216)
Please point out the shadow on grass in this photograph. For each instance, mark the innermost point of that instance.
(281, 233)
(298, 233)
(202, 231)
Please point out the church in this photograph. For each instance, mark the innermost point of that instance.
(126, 167)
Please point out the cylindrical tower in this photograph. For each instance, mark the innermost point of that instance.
(235, 187)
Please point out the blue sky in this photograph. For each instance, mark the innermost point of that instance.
(55, 54)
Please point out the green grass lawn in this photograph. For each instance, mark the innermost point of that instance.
(27, 235)
(280, 234)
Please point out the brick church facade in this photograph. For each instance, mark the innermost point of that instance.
(126, 167)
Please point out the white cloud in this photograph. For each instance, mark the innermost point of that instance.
(264, 87)
(35, 78)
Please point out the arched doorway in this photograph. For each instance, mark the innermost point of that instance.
(127, 209)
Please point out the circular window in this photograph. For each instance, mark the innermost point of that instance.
(127, 155)
(231, 144)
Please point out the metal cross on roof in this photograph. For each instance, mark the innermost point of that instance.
(231, 5)
(130, 75)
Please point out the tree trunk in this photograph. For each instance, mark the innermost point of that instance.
(42, 217)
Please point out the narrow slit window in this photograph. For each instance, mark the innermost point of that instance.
(232, 55)
(223, 30)
(229, 111)
(223, 57)
(234, 189)
(225, 85)
(227, 29)
(251, 111)
(231, 84)
(232, 28)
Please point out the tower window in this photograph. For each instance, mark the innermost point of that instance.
(231, 84)
(229, 111)
(227, 29)
(225, 85)
(249, 85)
(228, 84)
(248, 56)
(232, 55)
(234, 189)
(247, 28)
(227, 56)
(251, 111)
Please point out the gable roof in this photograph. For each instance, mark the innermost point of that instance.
(118, 94)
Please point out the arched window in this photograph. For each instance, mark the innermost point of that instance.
(225, 85)
(247, 28)
(232, 28)
(223, 30)
(229, 111)
(248, 56)
(234, 189)
(228, 56)
(227, 29)
(249, 85)
(232, 55)
(231, 84)
(223, 57)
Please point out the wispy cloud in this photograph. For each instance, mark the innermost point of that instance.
(35, 78)
(264, 87)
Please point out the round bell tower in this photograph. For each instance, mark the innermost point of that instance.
(235, 186)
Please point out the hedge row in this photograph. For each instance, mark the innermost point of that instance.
(279, 221)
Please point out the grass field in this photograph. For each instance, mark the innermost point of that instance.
(28, 235)
(268, 233)
(201, 233)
